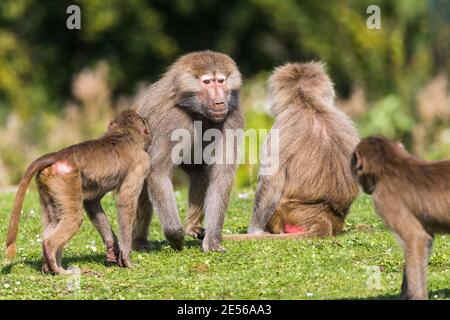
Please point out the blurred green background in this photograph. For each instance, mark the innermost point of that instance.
(59, 86)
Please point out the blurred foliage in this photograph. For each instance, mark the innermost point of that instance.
(122, 45)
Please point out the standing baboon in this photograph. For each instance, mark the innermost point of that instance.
(204, 87)
(81, 175)
(412, 196)
(313, 189)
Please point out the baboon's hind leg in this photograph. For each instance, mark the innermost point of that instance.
(64, 185)
(49, 211)
(197, 190)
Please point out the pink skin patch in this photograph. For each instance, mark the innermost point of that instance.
(289, 228)
(62, 167)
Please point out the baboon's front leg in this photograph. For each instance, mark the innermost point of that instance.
(417, 251)
(162, 196)
(143, 219)
(267, 197)
(215, 205)
(127, 202)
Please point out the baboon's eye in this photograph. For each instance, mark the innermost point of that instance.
(221, 81)
(206, 81)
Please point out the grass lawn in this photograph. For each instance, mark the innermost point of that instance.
(364, 262)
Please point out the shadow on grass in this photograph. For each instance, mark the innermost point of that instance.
(156, 245)
(441, 294)
(380, 297)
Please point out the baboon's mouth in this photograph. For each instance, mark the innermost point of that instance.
(218, 116)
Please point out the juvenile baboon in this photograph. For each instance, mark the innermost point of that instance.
(81, 175)
(412, 196)
(311, 193)
(199, 86)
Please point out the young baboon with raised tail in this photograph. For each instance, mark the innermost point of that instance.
(412, 196)
(311, 192)
(81, 175)
(204, 87)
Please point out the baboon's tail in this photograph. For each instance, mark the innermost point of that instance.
(36, 166)
(260, 236)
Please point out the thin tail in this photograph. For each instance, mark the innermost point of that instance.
(260, 236)
(37, 165)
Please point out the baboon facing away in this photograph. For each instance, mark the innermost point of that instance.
(311, 193)
(81, 175)
(412, 196)
(199, 86)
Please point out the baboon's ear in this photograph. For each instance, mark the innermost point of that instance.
(112, 124)
(356, 162)
(401, 145)
(146, 126)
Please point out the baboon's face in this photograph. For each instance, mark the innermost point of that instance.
(208, 84)
(361, 167)
(372, 158)
(366, 180)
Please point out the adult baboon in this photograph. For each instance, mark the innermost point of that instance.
(311, 192)
(199, 86)
(81, 175)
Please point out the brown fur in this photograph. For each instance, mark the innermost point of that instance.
(412, 196)
(81, 175)
(175, 102)
(313, 187)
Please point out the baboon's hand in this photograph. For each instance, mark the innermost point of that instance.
(175, 238)
(212, 246)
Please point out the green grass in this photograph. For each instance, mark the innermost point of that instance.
(334, 268)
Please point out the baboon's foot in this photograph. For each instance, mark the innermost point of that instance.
(125, 261)
(112, 253)
(45, 269)
(196, 232)
(50, 265)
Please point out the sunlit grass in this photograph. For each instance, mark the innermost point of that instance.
(345, 267)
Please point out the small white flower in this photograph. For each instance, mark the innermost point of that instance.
(6, 286)
(309, 294)
(17, 283)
